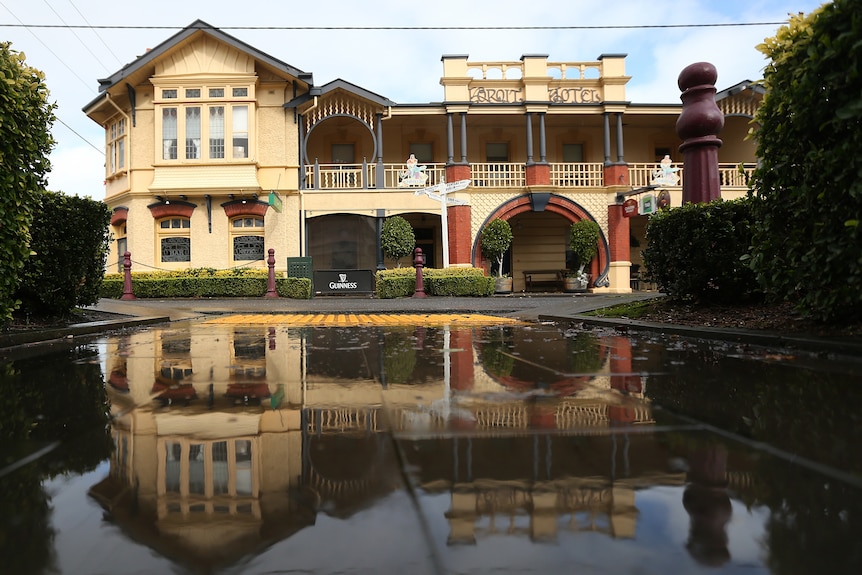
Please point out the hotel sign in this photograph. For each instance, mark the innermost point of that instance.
(489, 95)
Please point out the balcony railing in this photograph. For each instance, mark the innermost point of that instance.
(729, 175)
(504, 175)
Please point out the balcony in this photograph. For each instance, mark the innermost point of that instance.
(505, 175)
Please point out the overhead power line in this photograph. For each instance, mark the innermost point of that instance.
(412, 28)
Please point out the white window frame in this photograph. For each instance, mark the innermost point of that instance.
(223, 131)
(116, 146)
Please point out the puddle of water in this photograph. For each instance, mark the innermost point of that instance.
(219, 448)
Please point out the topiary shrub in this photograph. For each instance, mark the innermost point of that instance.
(584, 242)
(397, 238)
(495, 242)
(697, 252)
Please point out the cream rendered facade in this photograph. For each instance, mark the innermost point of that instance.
(542, 143)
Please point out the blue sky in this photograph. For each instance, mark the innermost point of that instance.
(401, 63)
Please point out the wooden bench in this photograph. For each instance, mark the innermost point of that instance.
(556, 274)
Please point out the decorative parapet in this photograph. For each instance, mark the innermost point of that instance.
(533, 80)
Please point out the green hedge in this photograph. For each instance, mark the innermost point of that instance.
(698, 252)
(205, 282)
(401, 282)
(69, 242)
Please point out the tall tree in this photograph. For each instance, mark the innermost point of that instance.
(807, 239)
(26, 117)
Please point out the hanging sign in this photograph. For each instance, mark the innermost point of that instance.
(275, 202)
(647, 204)
(663, 199)
(630, 208)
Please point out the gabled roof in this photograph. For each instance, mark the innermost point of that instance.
(339, 84)
(755, 87)
(196, 27)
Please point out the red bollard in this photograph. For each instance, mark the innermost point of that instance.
(270, 283)
(127, 277)
(417, 263)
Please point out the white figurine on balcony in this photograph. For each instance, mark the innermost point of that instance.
(414, 175)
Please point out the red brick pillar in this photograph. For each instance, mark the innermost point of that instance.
(460, 241)
(457, 172)
(619, 272)
(538, 174)
(458, 217)
(617, 175)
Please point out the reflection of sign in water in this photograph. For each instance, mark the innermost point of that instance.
(343, 281)
(176, 249)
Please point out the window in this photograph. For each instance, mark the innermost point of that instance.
(169, 133)
(197, 128)
(342, 153)
(217, 132)
(193, 133)
(497, 152)
(117, 146)
(573, 153)
(661, 152)
(240, 131)
(423, 152)
(175, 240)
(247, 237)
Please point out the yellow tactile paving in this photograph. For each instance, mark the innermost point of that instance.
(351, 320)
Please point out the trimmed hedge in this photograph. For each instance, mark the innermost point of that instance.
(69, 243)
(401, 282)
(698, 252)
(205, 282)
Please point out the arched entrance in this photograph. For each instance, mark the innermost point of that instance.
(532, 239)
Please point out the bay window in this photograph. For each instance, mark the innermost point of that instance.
(199, 126)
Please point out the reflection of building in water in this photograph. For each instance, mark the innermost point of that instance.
(546, 484)
(229, 439)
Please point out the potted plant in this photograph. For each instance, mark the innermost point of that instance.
(584, 243)
(496, 239)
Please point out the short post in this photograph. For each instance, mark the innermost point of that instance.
(698, 125)
(270, 282)
(417, 263)
(127, 277)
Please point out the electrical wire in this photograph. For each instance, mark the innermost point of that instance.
(412, 28)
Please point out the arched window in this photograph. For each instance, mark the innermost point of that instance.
(174, 237)
(247, 238)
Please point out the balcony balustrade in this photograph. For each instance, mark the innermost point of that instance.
(506, 175)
